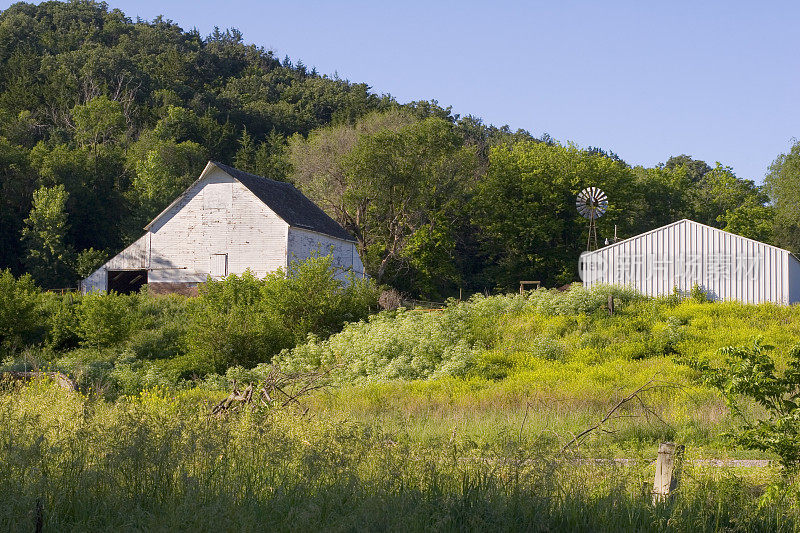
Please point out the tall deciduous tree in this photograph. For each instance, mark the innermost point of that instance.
(782, 183)
(393, 181)
(98, 121)
(48, 256)
(162, 170)
(526, 209)
(718, 192)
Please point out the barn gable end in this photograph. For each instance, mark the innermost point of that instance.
(225, 224)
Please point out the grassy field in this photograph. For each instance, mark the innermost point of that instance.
(447, 420)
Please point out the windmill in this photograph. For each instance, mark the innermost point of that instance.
(592, 204)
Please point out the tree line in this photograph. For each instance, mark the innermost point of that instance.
(104, 120)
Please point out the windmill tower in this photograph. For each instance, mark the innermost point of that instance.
(592, 203)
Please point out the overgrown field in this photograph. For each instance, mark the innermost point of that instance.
(451, 419)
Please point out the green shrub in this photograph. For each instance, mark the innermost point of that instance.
(242, 320)
(106, 319)
(21, 315)
(310, 299)
(164, 342)
(750, 372)
(63, 323)
(390, 345)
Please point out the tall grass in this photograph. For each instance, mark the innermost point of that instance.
(157, 462)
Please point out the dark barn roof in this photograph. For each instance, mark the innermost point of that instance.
(288, 203)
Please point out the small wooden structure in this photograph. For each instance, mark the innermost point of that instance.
(523, 284)
(667, 471)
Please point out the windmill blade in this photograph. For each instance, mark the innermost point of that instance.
(591, 203)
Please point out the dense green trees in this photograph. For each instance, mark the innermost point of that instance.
(123, 115)
(526, 209)
(48, 255)
(783, 185)
(109, 119)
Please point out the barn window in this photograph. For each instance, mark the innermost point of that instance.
(219, 265)
(126, 281)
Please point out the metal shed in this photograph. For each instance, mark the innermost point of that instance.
(686, 253)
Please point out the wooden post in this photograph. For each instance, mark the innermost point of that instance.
(610, 304)
(667, 470)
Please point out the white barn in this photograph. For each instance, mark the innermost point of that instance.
(226, 222)
(686, 253)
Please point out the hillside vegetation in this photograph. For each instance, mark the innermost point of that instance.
(556, 360)
(104, 120)
(430, 419)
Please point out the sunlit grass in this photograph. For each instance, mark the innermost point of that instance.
(157, 461)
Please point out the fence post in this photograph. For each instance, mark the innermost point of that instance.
(667, 470)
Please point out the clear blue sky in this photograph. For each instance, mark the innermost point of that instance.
(719, 81)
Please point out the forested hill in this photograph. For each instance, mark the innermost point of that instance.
(104, 120)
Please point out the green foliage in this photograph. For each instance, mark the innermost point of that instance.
(166, 342)
(267, 158)
(242, 320)
(526, 209)
(749, 371)
(782, 183)
(163, 169)
(20, 312)
(751, 219)
(105, 319)
(88, 261)
(429, 344)
(399, 184)
(719, 191)
(233, 326)
(49, 256)
(62, 319)
(699, 294)
(98, 121)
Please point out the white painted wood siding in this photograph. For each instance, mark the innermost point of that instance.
(685, 253)
(218, 215)
(134, 257)
(302, 244)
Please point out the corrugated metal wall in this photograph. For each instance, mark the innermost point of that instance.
(685, 253)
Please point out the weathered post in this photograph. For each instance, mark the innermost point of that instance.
(667, 470)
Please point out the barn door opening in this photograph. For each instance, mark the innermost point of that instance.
(126, 281)
(219, 265)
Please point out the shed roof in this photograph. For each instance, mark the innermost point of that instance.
(284, 199)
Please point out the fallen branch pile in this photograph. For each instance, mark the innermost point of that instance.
(277, 390)
(62, 380)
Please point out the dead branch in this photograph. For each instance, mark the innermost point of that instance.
(278, 390)
(635, 396)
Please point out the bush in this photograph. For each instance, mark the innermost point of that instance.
(391, 345)
(232, 327)
(310, 299)
(106, 319)
(164, 342)
(427, 344)
(21, 313)
(242, 320)
(63, 324)
(750, 372)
